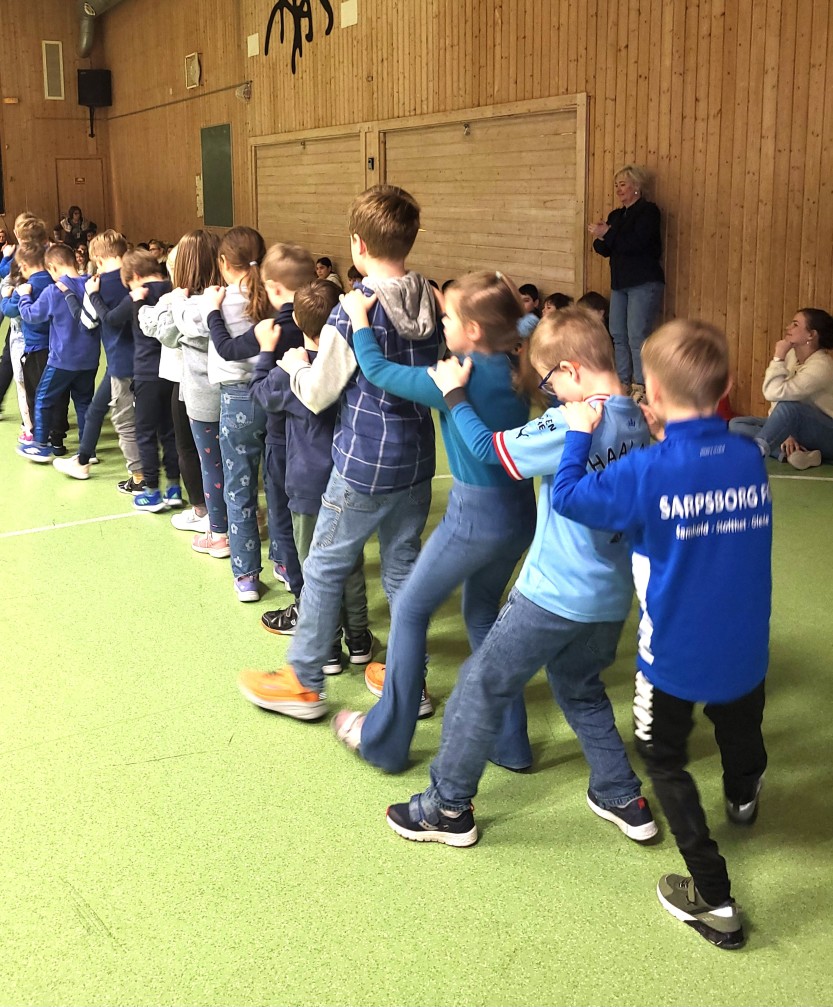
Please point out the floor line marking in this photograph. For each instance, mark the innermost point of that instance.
(68, 524)
(811, 479)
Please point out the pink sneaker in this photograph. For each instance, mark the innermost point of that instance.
(213, 544)
(24, 438)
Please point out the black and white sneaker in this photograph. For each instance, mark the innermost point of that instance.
(719, 925)
(744, 814)
(281, 621)
(131, 486)
(360, 648)
(634, 819)
(408, 821)
(332, 666)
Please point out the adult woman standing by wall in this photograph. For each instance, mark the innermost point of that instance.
(632, 240)
(799, 384)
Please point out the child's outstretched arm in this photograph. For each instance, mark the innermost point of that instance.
(319, 384)
(411, 383)
(116, 317)
(606, 500)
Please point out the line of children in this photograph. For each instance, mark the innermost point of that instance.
(309, 462)
(481, 315)
(72, 360)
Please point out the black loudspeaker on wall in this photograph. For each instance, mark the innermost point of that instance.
(95, 90)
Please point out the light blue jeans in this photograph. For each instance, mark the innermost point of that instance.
(242, 438)
(485, 531)
(633, 314)
(812, 428)
(345, 522)
(525, 638)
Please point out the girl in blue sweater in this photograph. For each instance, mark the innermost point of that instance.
(488, 525)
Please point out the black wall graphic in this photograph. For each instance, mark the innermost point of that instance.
(300, 13)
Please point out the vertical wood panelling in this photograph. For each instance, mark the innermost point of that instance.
(730, 104)
(35, 132)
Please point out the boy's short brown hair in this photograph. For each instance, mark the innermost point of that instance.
(690, 360)
(140, 262)
(290, 265)
(109, 244)
(572, 334)
(59, 255)
(30, 254)
(386, 218)
(313, 304)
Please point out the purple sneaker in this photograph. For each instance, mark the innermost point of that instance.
(248, 587)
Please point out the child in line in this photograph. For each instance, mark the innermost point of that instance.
(256, 280)
(309, 462)
(697, 512)
(142, 275)
(383, 448)
(531, 300)
(16, 344)
(567, 609)
(481, 314)
(555, 302)
(73, 353)
(177, 323)
(114, 392)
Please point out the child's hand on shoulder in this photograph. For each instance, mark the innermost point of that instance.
(451, 373)
(24, 289)
(214, 297)
(357, 305)
(8, 250)
(295, 357)
(93, 285)
(138, 294)
(267, 334)
(581, 416)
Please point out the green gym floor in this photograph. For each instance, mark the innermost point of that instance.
(165, 842)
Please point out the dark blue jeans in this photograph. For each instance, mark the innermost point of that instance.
(99, 408)
(207, 439)
(54, 383)
(812, 428)
(282, 548)
(525, 638)
(483, 534)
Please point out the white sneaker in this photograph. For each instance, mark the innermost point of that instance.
(189, 520)
(802, 460)
(71, 467)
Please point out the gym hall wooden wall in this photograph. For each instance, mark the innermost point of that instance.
(728, 102)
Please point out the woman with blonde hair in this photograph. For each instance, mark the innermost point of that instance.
(632, 240)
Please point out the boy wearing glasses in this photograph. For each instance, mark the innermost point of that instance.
(568, 607)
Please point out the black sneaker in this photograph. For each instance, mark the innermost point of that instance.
(634, 819)
(453, 831)
(360, 648)
(58, 450)
(131, 487)
(332, 666)
(281, 621)
(720, 925)
(744, 814)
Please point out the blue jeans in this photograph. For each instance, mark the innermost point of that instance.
(242, 437)
(99, 407)
(345, 522)
(633, 314)
(282, 549)
(55, 382)
(812, 428)
(207, 439)
(478, 543)
(523, 639)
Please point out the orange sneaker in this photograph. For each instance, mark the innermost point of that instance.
(374, 679)
(281, 692)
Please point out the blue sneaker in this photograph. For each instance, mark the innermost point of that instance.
(41, 453)
(151, 501)
(173, 496)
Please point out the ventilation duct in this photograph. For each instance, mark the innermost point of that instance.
(88, 11)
